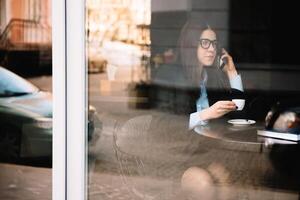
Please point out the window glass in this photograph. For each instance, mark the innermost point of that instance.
(13, 83)
(192, 100)
(25, 99)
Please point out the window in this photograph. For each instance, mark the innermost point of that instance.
(136, 77)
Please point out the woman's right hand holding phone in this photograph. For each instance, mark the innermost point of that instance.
(229, 67)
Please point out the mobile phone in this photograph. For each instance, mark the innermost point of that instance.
(222, 62)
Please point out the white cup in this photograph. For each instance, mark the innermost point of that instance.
(240, 103)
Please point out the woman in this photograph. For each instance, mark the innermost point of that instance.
(207, 56)
(201, 55)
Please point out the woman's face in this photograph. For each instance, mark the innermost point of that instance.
(207, 49)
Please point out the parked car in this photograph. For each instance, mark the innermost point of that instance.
(26, 119)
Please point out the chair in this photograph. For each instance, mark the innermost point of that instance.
(128, 142)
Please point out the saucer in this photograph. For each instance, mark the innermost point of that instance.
(241, 122)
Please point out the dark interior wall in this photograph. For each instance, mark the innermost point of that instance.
(264, 32)
(263, 40)
(165, 29)
(250, 23)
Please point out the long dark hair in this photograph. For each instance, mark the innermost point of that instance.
(188, 44)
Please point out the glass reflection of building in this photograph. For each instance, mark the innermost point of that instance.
(118, 20)
(25, 31)
(119, 26)
(25, 22)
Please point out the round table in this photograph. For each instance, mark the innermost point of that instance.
(282, 154)
(239, 137)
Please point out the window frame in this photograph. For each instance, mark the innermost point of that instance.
(69, 100)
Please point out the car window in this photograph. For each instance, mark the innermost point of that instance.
(13, 85)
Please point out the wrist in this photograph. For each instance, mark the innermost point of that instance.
(205, 114)
(232, 73)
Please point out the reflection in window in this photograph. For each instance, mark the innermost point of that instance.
(118, 29)
(25, 99)
(142, 97)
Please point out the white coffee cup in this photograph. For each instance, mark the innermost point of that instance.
(240, 103)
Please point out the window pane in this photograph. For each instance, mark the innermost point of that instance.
(168, 120)
(26, 99)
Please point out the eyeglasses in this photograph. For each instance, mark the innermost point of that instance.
(205, 43)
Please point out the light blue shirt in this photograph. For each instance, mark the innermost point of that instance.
(202, 102)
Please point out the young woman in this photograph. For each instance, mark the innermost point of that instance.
(207, 55)
(200, 56)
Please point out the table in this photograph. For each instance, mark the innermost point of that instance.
(239, 137)
(259, 161)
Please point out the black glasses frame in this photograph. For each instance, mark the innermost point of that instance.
(214, 43)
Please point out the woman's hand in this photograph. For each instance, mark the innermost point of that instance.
(229, 67)
(217, 110)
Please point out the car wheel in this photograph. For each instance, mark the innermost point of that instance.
(10, 141)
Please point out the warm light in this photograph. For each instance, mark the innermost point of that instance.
(121, 20)
(118, 32)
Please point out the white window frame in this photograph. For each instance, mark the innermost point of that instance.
(70, 101)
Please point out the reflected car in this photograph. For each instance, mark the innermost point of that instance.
(26, 119)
